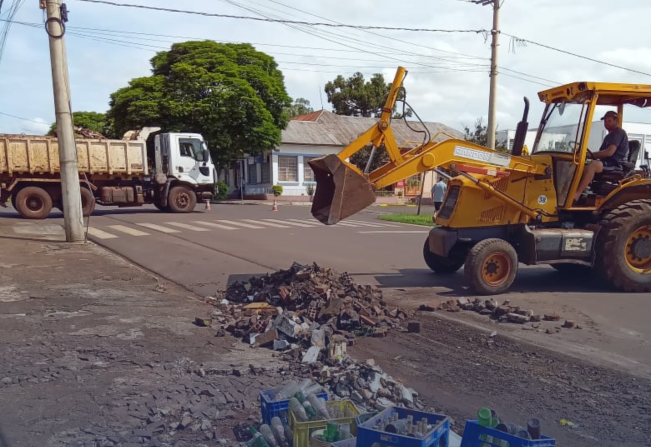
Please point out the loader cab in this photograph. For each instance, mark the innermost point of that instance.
(571, 130)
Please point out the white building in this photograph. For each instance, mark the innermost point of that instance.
(636, 131)
(308, 136)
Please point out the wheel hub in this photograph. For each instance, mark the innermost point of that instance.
(34, 203)
(496, 269)
(183, 200)
(638, 250)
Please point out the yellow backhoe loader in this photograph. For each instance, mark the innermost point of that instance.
(503, 209)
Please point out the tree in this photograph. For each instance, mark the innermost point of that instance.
(360, 158)
(232, 94)
(357, 97)
(479, 135)
(301, 106)
(97, 122)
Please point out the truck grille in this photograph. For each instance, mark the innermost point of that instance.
(450, 202)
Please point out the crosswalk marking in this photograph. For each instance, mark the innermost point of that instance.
(296, 224)
(99, 234)
(127, 230)
(160, 228)
(245, 225)
(186, 226)
(214, 225)
(270, 224)
(349, 224)
(371, 224)
(312, 223)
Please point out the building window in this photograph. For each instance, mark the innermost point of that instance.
(287, 168)
(308, 173)
(266, 170)
(253, 174)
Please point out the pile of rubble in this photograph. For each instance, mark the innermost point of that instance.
(311, 314)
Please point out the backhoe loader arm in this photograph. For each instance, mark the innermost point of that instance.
(343, 189)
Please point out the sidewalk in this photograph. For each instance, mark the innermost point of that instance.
(96, 351)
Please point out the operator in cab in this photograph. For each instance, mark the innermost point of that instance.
(613, 150)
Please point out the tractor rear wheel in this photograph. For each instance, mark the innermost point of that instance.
(623, 251)
(439, 264)
(491, 266)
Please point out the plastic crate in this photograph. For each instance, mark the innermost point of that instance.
(476, 435)
(270, 409)
(303, 430)
(438, 437)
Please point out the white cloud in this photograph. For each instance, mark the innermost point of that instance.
(99, 67)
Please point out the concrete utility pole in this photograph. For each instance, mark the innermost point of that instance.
(492, 100)
(70, 189)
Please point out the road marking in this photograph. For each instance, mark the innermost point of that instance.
(296, 224)
(160, 228)
(99, 234)
(186, 226)
(393, 232)
(245, 225)
(266, 223)
(349, 224)
(371, 224)
(127, 230)
(215, 225)
(312, 223)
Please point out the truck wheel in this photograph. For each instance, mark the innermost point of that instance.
(439, 264)
(491, 266)
(87, 202)
(33, 202)
(623, 251)
(182, 200)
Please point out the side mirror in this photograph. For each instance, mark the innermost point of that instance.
(206, 155)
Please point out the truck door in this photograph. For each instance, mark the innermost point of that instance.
(190, 158)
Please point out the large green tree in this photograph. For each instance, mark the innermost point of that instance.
(97, 122)
(356, 96)
(232, 94)
(479, 135)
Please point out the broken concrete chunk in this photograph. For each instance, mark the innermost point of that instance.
(312, 355)
(552, 317)
(517, 318)
(569, 324)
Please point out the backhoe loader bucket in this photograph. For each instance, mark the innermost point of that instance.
(340, 190)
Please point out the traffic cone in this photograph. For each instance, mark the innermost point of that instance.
(207, 208)
(275, 207)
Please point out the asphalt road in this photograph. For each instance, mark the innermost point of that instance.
(206, 250)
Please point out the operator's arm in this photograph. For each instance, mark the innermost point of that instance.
(608, 152)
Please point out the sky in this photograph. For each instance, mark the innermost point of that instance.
(448, 78)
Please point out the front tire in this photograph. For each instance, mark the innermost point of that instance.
(491, 267)
(33, 202)
(182, 200)
(439, 264)
(623, 249)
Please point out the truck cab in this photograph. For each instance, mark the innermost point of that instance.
(183, 156)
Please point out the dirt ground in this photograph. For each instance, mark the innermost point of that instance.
(459, 367)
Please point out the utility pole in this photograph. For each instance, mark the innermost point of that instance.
(70, 189)
(492, 99)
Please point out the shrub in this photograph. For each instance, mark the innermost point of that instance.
(221, 191)
(278, 190)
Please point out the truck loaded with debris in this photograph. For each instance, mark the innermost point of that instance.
(169, 170)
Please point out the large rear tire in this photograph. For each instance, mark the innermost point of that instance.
(87, 202)
(439, 264)
(182, 200)
(33, 202)
(623, 251)
(491, 266)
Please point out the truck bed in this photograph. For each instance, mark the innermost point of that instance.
(23, 154)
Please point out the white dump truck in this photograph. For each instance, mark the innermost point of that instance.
(169, 170)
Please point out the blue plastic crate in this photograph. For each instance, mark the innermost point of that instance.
(352, 442)
(438, 437)
(476, 435)
(270, 409)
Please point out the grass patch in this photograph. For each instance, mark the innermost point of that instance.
(408, 218)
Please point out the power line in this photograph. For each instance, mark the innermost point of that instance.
(294, 22)
(576, 55)
(21, 118)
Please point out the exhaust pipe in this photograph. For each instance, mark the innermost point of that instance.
(341, 190)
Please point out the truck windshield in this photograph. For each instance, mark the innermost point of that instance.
(561, 128)
(191, 147)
